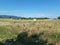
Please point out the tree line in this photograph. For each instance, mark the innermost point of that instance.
(16, 17)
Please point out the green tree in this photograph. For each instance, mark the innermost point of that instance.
(58, 17)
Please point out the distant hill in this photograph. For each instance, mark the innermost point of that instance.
(16, 17)
(8, 16)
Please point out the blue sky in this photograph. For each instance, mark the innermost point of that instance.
(30, 8)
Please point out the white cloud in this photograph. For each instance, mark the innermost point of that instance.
(25, 14)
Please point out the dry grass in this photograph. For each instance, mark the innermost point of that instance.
(11, 27)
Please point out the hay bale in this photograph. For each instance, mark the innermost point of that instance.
(34, 19)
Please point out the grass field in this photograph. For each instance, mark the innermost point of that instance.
(9, 28)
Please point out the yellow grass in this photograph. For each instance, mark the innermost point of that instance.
(14, 26)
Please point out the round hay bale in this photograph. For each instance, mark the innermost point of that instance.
(34, 19)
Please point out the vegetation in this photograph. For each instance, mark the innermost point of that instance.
(16, 17)
(58, 17)
(38, 31)
(24, 39)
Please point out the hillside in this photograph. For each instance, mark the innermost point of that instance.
(17, 17)
(8, 16)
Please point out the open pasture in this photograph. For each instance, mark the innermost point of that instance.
(9, 28)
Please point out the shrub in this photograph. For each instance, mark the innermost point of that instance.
(58, 17)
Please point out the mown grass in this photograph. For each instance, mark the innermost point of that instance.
(10, 28)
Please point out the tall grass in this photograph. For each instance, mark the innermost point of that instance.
(10, 28)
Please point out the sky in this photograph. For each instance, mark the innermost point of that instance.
(30, 8)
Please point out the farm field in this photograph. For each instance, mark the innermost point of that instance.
(10, 28)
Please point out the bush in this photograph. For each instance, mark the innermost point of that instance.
(58, 17)
(24, 39)
(1, 43)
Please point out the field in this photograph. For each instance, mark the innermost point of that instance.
(10, 28)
